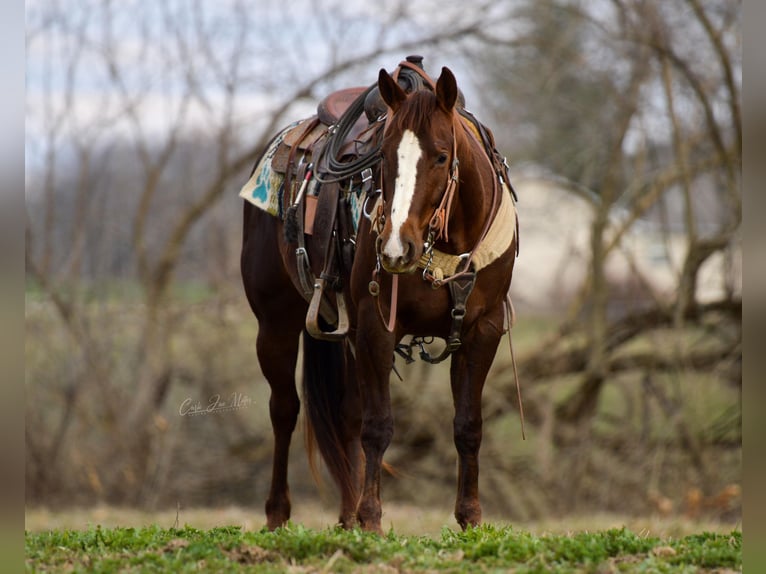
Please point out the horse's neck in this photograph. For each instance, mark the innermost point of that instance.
(473, 202)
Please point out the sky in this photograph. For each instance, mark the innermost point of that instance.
(160, 49)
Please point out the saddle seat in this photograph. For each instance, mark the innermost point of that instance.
(333, 106)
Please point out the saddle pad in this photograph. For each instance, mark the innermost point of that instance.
(265, 185)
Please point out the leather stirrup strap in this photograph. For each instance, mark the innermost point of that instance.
(327, 234)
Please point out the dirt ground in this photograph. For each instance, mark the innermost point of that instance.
(405, 519)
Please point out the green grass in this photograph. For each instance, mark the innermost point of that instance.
(299, 549)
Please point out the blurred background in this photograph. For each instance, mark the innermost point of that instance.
(621, 122)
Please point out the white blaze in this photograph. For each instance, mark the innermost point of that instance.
(408, 154)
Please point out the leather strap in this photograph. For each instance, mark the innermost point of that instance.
(310, 125)
(439, 223)
(392, 307)
(460, 290)
(305, 276)
(374, 288)
(327, 235)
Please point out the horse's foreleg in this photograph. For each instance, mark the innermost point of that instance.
(470, 365)
(374, 356)
(277, 353)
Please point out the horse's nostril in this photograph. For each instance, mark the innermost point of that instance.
(410, 255)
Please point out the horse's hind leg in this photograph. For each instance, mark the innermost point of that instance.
(277, 354)
(470, 365)
(351, 407)
(280, 311)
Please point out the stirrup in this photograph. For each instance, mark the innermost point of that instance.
(312, 316)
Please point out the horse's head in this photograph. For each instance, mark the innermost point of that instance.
(419, 160)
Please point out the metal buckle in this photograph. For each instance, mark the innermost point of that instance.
(454, 168)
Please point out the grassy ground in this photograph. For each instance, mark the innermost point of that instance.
(403, 518)
(233, 539)
(300, 549)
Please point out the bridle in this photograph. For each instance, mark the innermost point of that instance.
(438, 229)
(438, 225)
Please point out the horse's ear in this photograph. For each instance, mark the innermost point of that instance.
(390, 91)
(446, 89)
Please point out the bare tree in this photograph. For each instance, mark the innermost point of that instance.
(665, 80)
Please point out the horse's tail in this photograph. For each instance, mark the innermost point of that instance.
(324, 386)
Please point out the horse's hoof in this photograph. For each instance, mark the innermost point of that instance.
(372, 527)
(347, 522)
(277, 513)
(272, 526)
(469, 524)
(468, 515)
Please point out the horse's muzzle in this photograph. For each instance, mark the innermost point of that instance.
(404, 260)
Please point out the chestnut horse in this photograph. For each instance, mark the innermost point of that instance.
(441, 194)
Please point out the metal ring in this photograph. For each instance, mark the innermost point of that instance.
(375, 194)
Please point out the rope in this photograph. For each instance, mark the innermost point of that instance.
(509, 313)
(340, 170)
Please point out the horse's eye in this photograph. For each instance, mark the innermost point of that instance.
(442, 159)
